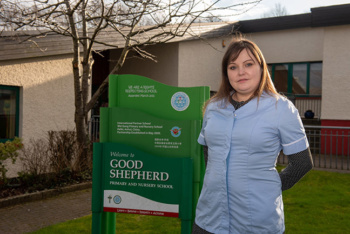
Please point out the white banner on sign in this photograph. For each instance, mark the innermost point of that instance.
(127, 200)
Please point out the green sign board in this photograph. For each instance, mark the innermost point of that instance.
(148, 161)
(167, 138)
(140, 183)
(127, 180)
(169, 102)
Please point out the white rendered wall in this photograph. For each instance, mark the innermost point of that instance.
(200, 62)
(47, 99)
(295, 45)
(336, 74)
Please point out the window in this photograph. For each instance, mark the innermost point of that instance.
(300, 79)
(280, 77)
(9, 112)
(316, 78)
(297, 78)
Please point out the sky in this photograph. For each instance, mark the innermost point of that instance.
(293, 7)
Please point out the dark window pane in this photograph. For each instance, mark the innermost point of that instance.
(299, 78)
(281, 78)
(7, 113)
(316, 78)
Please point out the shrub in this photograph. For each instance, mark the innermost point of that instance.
(62, 148)
(46, 163)
(35, 158)
(8, 150)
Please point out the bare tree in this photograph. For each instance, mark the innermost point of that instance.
(138, 22)
(276, 11)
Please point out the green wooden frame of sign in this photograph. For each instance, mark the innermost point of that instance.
(127, 180)
(154, 121)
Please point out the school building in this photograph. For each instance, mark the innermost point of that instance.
(308, 56)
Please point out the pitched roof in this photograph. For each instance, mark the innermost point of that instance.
(14, 46)
(54, 44)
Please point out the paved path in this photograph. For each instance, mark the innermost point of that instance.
(35, 215)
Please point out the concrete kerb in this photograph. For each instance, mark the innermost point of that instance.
(40, 195)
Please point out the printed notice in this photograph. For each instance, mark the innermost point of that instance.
(138, 128)
(143, 91)
(166, 143)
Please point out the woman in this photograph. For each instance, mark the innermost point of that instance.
(245, 126)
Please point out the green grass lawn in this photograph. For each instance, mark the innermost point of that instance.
(125, 223)
(319, 203)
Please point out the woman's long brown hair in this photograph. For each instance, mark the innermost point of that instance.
(231, 54)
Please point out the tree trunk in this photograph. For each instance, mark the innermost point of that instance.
(82, 162)
(79, 118)
(81, 115)
(80, 93)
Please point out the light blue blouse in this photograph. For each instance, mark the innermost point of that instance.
(242, 189)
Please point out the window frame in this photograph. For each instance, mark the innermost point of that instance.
(17, 89)
(290, 77)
